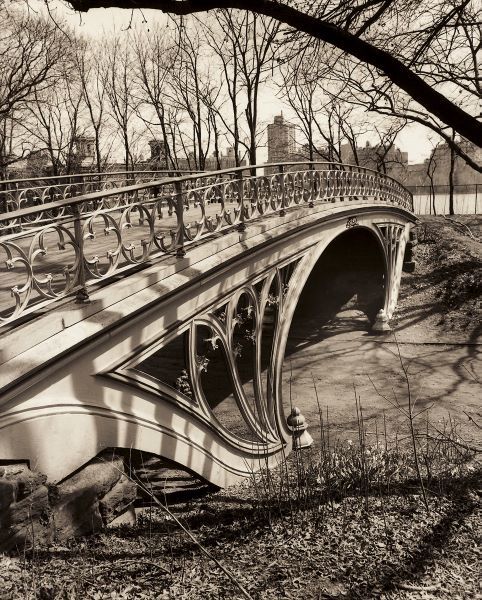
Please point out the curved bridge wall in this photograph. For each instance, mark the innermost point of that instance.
(81, 378)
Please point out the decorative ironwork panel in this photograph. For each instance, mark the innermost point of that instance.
(391, 234)
(219, 366)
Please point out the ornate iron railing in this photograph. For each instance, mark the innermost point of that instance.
(64, 246)
(36, 191)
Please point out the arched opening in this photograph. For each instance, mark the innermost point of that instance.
(349, 274)
(343, 293)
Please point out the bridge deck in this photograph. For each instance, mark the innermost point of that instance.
(41, 338)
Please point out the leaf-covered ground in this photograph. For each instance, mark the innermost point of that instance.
(445, 291)
(276, 545)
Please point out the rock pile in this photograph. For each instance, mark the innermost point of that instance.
(34, 512)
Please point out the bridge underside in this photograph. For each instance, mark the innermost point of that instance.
(351, 269)
(184, 358)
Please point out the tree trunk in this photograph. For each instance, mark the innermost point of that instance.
(432, 195)
(98, 158)
(451, 178)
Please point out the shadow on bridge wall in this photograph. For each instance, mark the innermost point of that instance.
(103, 409)
(349, 274)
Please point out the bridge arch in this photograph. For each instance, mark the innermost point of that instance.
(354, 261)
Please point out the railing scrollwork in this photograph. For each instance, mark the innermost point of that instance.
(63, 238)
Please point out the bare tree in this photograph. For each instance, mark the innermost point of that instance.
(444, 49)
(189, 83)
(155, 56)
(91, 69)
(245, 47)
(118, 83)
(225, 49)
(32, 50)
(365, 88)
(14, 145)
(326, 121)
(251, 43)
(387, 156)
(196, 91)
(451, 176)
(431, 167)
(54, 122)
(300, 87)
(362, 30)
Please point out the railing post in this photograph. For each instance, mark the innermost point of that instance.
(156, 192)
(340, 177)
(281, 170)
(180, 251)
(242, 224)
(312, 168)
(82, 296)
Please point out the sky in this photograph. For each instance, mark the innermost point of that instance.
(415, 139)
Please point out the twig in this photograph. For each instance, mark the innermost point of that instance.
(446, 438)
(396, 404)
(460, 224)
(199, 545)
(126, 561)
(419, 588)
(472, 419)
(410, 416)
(474, 377)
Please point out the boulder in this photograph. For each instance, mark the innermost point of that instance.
(7, 494)
(77, 506)
(26, 523)
(127, 519)
(33, 512)
(22, 478)
(118, 499)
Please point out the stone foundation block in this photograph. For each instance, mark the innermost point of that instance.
(26, 523)
(76, 500)
(33, 513)
(7, 494)
(118, 499)
(22, 478)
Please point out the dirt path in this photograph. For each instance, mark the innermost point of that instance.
(437, 330)
(444, 377)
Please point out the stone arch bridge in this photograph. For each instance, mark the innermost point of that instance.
(155, 316)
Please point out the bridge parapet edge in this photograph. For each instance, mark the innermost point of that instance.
(65, 246)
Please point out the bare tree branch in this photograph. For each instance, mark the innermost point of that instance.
(398, 72)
